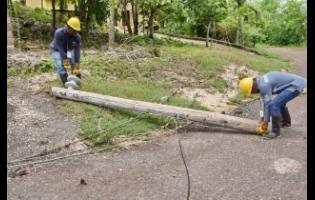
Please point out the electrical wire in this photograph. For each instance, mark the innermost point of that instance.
(187, 172)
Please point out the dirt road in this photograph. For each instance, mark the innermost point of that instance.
(222, 166)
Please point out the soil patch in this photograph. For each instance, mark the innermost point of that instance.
(215, 101)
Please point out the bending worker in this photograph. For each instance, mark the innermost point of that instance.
(286, 86)
(65, 49)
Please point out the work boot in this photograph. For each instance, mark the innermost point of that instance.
(286, 119)
(275, 130)
(64, 78)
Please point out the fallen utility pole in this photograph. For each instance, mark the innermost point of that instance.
(211, 118)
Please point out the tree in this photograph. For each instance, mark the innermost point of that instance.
(135, 15)
(285, 23)
(206, 11)
(239, 5)
(150, 8)
(126, 16)
(111, 32)
(252, 35)
(90, 11)
(177, 19)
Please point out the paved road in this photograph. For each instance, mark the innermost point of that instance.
(222, 166)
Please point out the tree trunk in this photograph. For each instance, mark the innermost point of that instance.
(239, 30)
(214, 33)
(135, 17)
(127, 17)
(151, 22)
(208, 30)
(82, 9)
(143, 28)
(61, 8)
(111, 32)
(90, 7)
(87, 22)
(237, 38)
(53, 4)
(215, 119)
(23, 2)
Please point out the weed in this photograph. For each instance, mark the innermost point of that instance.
(220, 84)
(9, 83)
(12, 71)
(42, 141)
(237, 99)
(42, 67)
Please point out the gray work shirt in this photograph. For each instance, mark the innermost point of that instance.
(274, 83)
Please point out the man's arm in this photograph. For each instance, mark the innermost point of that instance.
(266, 95)
(58, 42)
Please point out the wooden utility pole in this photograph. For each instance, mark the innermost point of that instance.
(211, 118)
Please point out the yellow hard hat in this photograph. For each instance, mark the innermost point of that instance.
(246, 85)
(74, 23)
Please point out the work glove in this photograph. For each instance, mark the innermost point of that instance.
(66, 63)
(263, 128)
(76, 70)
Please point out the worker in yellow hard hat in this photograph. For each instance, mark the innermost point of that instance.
(286, 86)
(65, 49)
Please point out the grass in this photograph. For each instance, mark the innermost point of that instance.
(9, 83)
(42, 67)
(297, 47)
(240, 97)
(100, 125)
(237, 99)
(134, 80)
(214, 60)
(220, 84)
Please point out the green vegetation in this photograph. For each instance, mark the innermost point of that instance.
(241, 21)
(42, 141)
(238, 21)
(42, 67)
(220, 85)
(213, 60)
(36, 14)
(9, 83)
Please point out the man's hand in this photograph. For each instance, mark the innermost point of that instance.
(263, 128)
(66, 63)
(76, 70)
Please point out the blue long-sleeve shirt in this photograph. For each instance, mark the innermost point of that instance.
(63, 41)
(274, 83)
